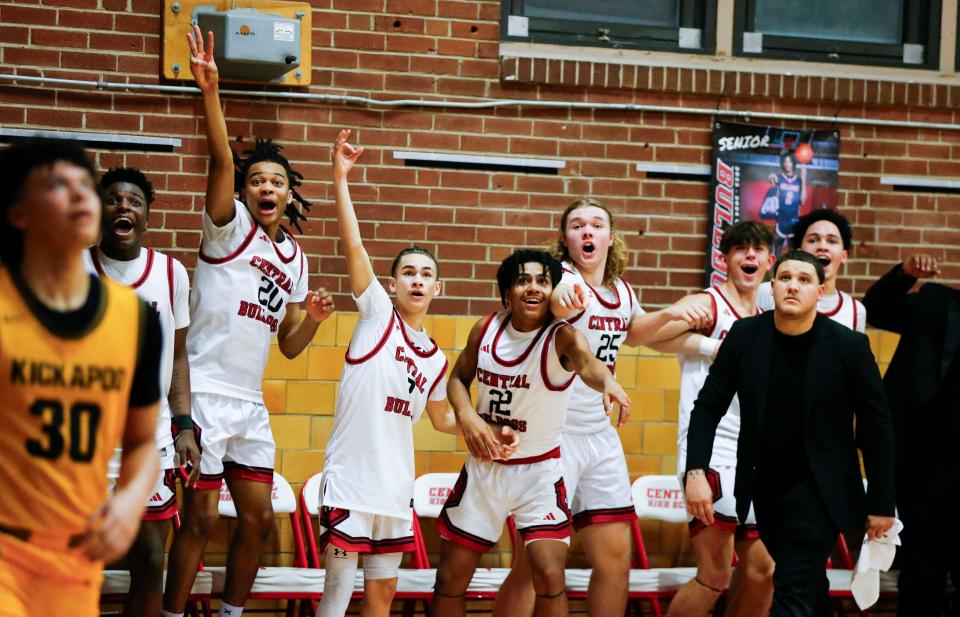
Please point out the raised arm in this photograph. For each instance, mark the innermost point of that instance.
(219, 200)
(575, 355)
(351, 244)
(889, 301)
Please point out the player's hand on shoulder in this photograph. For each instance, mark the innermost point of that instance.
(699, 496)
(112, 528)
(920, 266)
(699, 318)
(571, 297)
(319, 305)
(202, 64)
(343, 155)
(509, 442)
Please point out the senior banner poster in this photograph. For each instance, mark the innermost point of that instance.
(767, 174)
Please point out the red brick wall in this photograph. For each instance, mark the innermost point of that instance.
(449, 49)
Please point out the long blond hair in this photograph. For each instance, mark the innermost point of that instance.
(617, 256)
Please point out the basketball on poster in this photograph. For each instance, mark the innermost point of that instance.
(768, 174)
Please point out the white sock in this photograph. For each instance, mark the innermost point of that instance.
(341, 569)
(227, 610)
(169, 614)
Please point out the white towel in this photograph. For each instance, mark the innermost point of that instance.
(875, 555)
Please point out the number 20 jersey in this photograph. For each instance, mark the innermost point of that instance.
(64, 406)
(242, 286)
(521, 383)
(605, 323)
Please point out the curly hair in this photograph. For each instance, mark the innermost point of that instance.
(804, 222)
(617, 257)
(512, 266)
(264, 150)
(131, 175)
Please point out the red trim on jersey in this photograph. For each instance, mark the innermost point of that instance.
(379, 345)
(855, 311)
(416, 350)
(140, 281)
(629, 293)
(559, 531)
(303, 268)
(483, 330)
(838, 307)
(573, 320)
(96, 261)
(527, 460)
(248, 472)
(604, 303)
(276, 248)
(522, 356)
(168, 509)
(209, 482)
(728, 303)
(603, 515)
(254, 228)
(170, 282)
(436, 381)
(544, 373)
(454, 534)
(566, 268)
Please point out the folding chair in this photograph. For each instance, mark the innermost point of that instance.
(657, 498)
(275, 583)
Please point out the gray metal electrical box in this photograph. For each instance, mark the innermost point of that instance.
(251, 44)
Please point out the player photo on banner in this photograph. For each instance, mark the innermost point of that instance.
(768, 174)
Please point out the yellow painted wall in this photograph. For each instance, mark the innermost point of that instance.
(301, 394)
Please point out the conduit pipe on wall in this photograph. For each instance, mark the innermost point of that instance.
(482, 104)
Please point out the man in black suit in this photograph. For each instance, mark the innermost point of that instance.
(802, 380)
(923, 386)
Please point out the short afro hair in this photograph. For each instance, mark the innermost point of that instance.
(511, 268)
(805, 221)
(127, 174)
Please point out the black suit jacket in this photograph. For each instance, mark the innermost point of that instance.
(842, 384)
(929, 326)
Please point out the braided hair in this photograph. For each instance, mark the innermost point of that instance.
(265, 150)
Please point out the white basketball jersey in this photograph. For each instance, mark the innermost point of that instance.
(605, 323)
(840, 307)
(242, 286)
(693, 374)
(162, 282)
(391, 371)
(521, 383)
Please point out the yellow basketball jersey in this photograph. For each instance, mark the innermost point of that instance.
(64, 405)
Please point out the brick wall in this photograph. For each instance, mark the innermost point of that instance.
(471, 219)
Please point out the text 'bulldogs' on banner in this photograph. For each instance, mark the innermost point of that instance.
(768, 174)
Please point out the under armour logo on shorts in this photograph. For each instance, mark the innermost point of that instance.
(339, 554)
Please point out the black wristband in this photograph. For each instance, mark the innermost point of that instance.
(182, 423)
